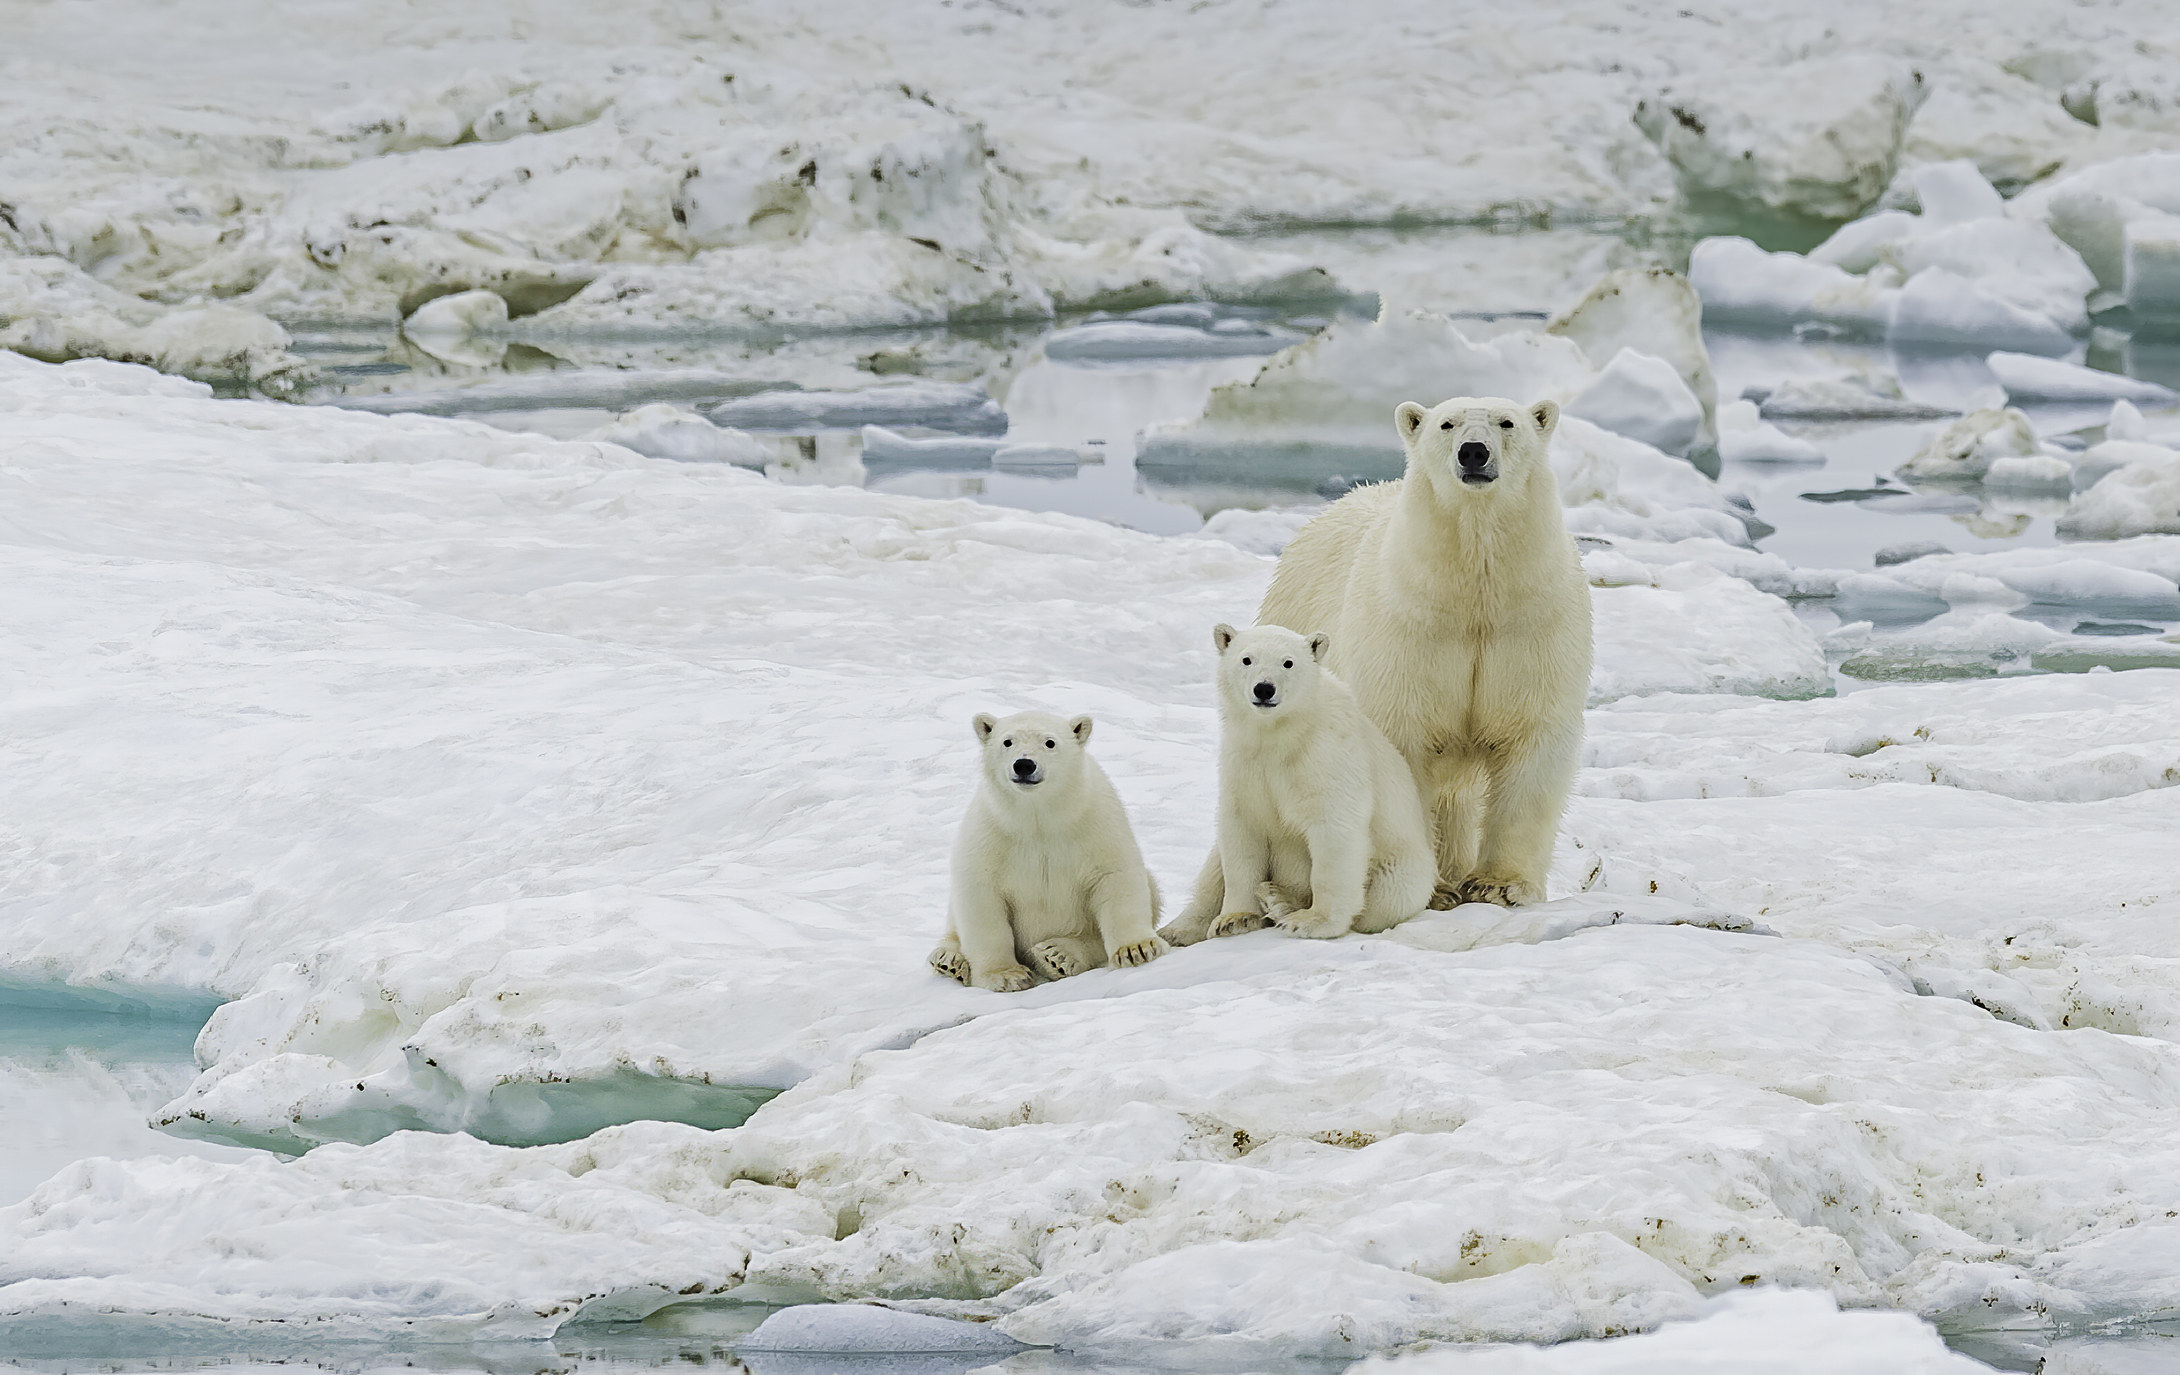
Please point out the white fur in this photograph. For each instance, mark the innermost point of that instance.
(1321, 830)
(1047, 875)
(1460, 618)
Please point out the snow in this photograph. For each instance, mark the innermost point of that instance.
(582, 885)
(445, 596)
(1777, 1331)
(661, 430)
(1815, 139)
(1961, 274)
(2139, 498)
(1654, 313)
(1642, 397)
(1139, 338)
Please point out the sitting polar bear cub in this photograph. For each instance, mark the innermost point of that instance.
(1046, 871)
(1320, 827)
(1460, 617)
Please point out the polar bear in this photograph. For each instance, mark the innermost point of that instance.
(1460, 619)
(1047, 875)
(1321, 831)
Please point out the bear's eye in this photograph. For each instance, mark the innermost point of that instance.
(1290, 663)
(1445, 425)
(1245, 661)
(1048, 744)
(1506, 424)
(1006, 744)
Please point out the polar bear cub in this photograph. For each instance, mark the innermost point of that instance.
(1047, 876)
(1321, 829)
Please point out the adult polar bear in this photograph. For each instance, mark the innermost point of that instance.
(1460, 618)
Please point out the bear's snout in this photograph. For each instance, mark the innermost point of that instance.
(1475, 461)
(1267, 695)
(1025, 771)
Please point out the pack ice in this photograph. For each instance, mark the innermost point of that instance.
(507, 788)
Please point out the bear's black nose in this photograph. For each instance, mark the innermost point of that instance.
(1023, 768)
(1474, 455)
(1265, 692)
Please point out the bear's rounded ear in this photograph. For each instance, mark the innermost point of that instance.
(1546, 414)
(985, 724)
(1319, 643)
(1081, 727)
(1222, 635)
(1408, 418)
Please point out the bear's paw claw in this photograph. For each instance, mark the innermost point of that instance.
(1312, 924)
(1055, 960)
(952, 963)
(1235, 923)
(1512, 892)
(1139, 952)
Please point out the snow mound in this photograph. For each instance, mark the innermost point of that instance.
(1767, 651)
(51, 310)
(841, 1329)
(1642, 397)
(2141, 497)
(1655, 313)
(1964, 273)
(667, 431)
(1775, 1331)
(1815, 139)
(1966, 449)
(1744, 437)
(1139, 338)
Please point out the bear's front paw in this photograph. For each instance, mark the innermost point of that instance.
(952, 963)
(1313, 924)
(1055, 960)
(1234, 923)
(1007, 978)
(1507, 892)
(1445, 897)
(1139, 952)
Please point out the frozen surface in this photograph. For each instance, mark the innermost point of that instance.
(527, 656)
(524, 669)
(840, 1329)
(1777, 1332)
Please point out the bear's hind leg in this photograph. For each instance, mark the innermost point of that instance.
(1194, 923)
(1400, 888)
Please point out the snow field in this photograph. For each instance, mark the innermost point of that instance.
(655, 764)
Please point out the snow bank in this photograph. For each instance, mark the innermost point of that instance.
(1642, 397)
(1776, 1331)
(957, 406)
(2140, 498)
(52, 310)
